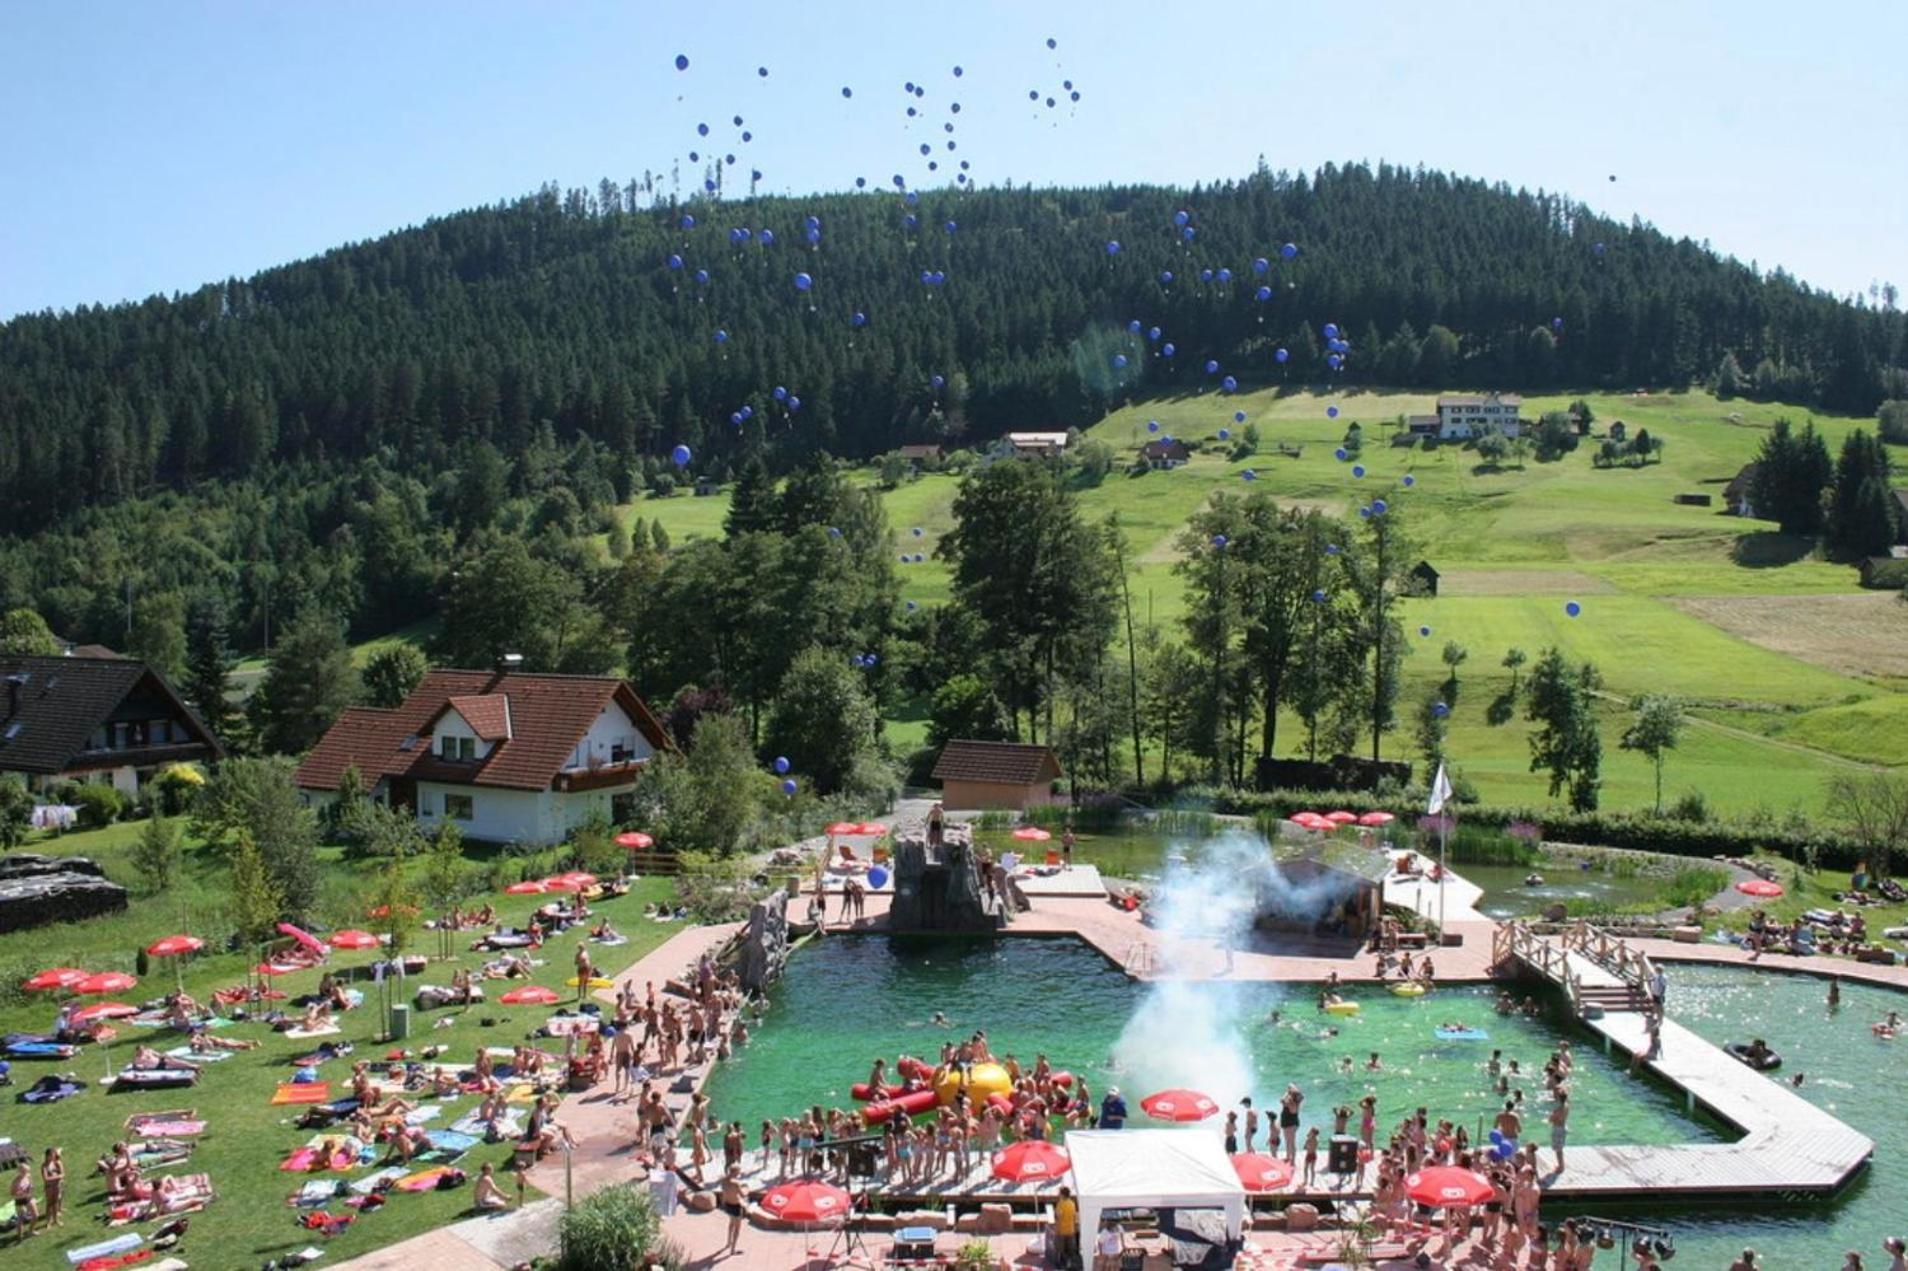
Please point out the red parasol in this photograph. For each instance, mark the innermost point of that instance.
(1341, 817)
(353, 939)
(103, 1010)
(568, 882)
(1032, 834)
(59, 977)
(384, 911)
(1759, 887)
(305, 939)
(1376, 818)
(105, 982)
(1261, 1173)
(806, 1200)
(528, 887)
(1029, 1159)
(530, 995)
(871, 827)
(1448, 1185)
(634, 840)
(1179, 1105)
(173, 946)
(838, 828)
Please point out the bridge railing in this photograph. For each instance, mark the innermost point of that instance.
(1516, 942)
(1609, 951)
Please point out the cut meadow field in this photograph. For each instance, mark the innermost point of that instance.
(1780, 703)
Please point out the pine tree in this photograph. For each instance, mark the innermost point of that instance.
(310, 683)
(208, 663)
(255, 902)
(753, 505)
(1862, 512)
(1791, 471)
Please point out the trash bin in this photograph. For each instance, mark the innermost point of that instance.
(400, 1020)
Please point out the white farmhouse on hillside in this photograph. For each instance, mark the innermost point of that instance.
(1465, 415)
(507, 756)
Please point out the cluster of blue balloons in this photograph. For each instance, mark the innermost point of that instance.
(865, 661)
(1502, 1147)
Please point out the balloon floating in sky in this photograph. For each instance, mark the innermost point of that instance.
(1165, 277)
(1250, 475)
(688, 221)
(1440, 710)
(803, 282)
(788, 786)
(781, 764)
(1225, 275)
(1053, 44)
(859, 320)
(721, 336)
(846, 91)
(1119, 361)
(918, 531)
(1167, 349)
(768, 237)
(1152, 425)
(1238, 417)
(1331, 549)
(1379, 507)
(1219, 540)
(1341, 454)
(1225, 434)
(1318, 597)
(1289, 251)
(1556, 324)
(957, 72)
(681, 456)
(1331, 412)
(1188, 233)
(682, 61)
(935, 381)
(702, 275)
(1228, 384)
(762, 71)
(1263, 294)
(1572, 607)
(1281, 355)
(702, 130)
(1331, 330)
(1113, 247)
(675, 262)
(1134, 326)
(1334, 361)
(1152, 334)
(1180, 218)
(1261, 265)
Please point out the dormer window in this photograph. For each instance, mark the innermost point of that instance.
(458, 748)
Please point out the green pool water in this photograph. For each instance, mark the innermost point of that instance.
(1506, 896)
(846, 1000)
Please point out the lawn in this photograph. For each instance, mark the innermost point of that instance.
(248, 1137)
(1801, 671)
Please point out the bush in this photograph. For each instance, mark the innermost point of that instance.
(1689, 806)
(615, 1229)
(716, 888)
(158, 853)
(99, 805)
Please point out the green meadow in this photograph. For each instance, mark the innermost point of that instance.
(1687, 600)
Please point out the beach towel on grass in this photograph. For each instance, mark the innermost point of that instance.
(314, 1194)
(106, 1248)
(508, 1127)
(160, 1128)
(137, 1258)
(453, 1141)
(425, 1180)
(199, 1057)
(424, 1114)
(305, 1034)
(522, 1092)
(368, 1184)
(311, 1092)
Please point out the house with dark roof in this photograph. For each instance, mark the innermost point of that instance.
(996, 774)
(1901, 515)
(104, 719)
(509, 757)
(1164, 452)
(1464, 415)
(1736, 493)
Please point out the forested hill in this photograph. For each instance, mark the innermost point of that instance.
(569, 309)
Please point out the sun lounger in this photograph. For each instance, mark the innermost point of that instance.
(180, 1123)
(36, 1046)
(302, 1092)
(155, 1078)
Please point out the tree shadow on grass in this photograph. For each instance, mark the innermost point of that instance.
(1769, 549)
(1502, 710)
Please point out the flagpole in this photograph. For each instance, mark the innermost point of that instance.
(1444, 877)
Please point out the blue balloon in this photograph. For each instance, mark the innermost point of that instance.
(721, 336)
(878, 876)
(1250, 475)
(688, 221)
(812, 234)
(781, 764)
(1333, 361)
(1165, 277)
(1289, 251)
(1331, 549)
(936, 381)
(1262, 295)
(1282, 355)
(952, 226)
(1113, 247)
(1440, 710)
(1180, 218)
(702, 275)
(860, 319)
(1379, 507)
(940, 276)
(736, 419)
(1212, 368)
(1598, 249)
(762, 71)
(788, 786)
(1238, 417)
(1424, 631)
(1573, 608)
(927, 277)
(1119, 361)
(1152, 333)
(1358, 470)
(1331, 412)
(1261, 265)
(957, 72)
(675, 262)
(1409, 480)
(1341, 454)
(918, 531)
(748, 412)
(847, 92)
(1205, 275)
(1219, 540)
(681, 456)
(1225, 275)
(910, 606)
(1318, 597)
(1133, 325)
(1365, 513)
(1187, 233)
(834, 531)
(872, 657)
(702, 130)
(1167, 349)
(768, 237)
(918, 558)
(682, 61)
(1152, 425)
(1225, 434)
(1228, 384)
(794, 404)
(803, 282)
(780, 394)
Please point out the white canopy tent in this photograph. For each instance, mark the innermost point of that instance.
(1153, 1169)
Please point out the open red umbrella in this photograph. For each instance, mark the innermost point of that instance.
(837, 828)
(1341, 817)
(528, 887)
(105, 982)
(353, 939)
(871, 827)
(174, 946)
(1031, 1158)
(1032, 834)
(1448, 1185)
(1261, 1173)
(1376, 818)
(276, 968)
(103, 1010)
(1759, 887)
(807, 1200)
(567, 882)
(55, 978)
(634, 840)
(1310, 820)
(530, 995)
(1179, 1105)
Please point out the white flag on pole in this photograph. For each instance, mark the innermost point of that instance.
(1440, 792)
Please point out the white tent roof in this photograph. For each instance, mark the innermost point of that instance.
(1150, 1169)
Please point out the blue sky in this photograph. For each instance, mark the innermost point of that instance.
(155, 146)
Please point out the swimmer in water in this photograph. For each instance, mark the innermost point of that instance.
(940, 1019)
(1798, 1079)
(1374, 1064)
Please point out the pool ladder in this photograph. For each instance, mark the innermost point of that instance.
(1138, 961)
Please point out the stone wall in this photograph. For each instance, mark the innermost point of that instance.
(35, 890)
(764, 947)
(939, 888)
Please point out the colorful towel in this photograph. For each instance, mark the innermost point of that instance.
(105, 1248)
(160, 1128)
(311, 1092)
(507, 1126)
(368, 1184)
(192, 1056)
(315, 1193)
(424, 1114)
(305, 1034)
(453, 1141)
(424, 1180)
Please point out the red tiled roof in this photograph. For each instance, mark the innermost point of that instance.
(548, 715)
(1007, 762)
(488, 714)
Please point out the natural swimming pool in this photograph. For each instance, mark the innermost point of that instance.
(846, 1000)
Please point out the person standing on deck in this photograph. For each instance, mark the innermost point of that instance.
(1559, 1126)
(1112, 1110)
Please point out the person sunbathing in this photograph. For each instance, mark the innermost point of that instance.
(461, 986)
(317, 1016)
(183, 1012)
(406, 1142)
(146, 1059)
(205, 1042)
(603, 931)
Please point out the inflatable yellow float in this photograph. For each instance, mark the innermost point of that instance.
(982, 1081)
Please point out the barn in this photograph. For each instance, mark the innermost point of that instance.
(996, 774)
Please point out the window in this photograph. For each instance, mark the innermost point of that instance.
(458, 747)
(458, 807)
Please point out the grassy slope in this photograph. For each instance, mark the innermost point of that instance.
(1513, 546)
(250, 1221)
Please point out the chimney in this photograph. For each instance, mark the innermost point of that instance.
(14, 683)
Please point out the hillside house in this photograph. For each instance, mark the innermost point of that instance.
(1901, 516)
(1424, 577)
(996, 774)
(920, 455)
(1736, 493)
(1037, 445)
(1417, 426)
(509, 757)
(1164, 453)
(109, 719)
(1465, 415)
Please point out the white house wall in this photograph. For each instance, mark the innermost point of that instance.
(611, 728)
(514, 816)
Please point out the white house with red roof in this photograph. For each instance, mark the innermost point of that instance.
(505, 755)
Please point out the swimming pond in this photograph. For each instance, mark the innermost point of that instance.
(846, 1000)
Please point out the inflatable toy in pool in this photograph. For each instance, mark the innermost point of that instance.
(1462, 1035)
(1768, 1061)
(1408, 990)
(1341, 1008)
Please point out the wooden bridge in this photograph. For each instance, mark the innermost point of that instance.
(1789, 1149)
